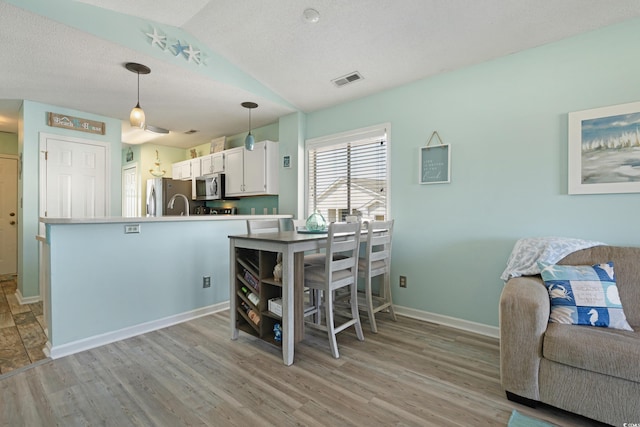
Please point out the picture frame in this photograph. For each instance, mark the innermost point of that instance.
(286, 161)
(604, 150)
(217, 144)
(130, 155)
(435, 164)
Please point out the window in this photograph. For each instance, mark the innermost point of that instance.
(347, 174)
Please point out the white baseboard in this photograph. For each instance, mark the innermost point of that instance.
(109, 337)
(453, 322)
(28, 300)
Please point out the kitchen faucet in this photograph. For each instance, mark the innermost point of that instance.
(172, 201)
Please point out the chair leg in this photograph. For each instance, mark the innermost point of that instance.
(354, 311)
(331, 332)
(369, 299)
(387, 287)
(317, 298)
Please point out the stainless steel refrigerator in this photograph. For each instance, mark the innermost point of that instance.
(161, 190)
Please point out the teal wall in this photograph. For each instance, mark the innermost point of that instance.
(132, 279)
(33, 123)
(506, 121)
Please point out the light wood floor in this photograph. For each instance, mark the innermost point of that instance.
(411, 373)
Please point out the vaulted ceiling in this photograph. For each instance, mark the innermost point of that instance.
(283, 60)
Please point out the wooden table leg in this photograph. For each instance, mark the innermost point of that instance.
(288, 306)
(232, 290)
(298, 294)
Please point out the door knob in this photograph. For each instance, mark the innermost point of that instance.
(12, 223)
(12, 214)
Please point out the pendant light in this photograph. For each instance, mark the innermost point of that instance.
(137, 118)
(249, 141)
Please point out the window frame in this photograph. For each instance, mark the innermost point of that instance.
(344, 137)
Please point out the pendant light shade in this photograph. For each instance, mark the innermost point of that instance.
(249, 141)
(137, 117)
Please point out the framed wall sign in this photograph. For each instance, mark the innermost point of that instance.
(217, 144)
(435, 163)
(286, 161)
(75, 123)
(604, 150)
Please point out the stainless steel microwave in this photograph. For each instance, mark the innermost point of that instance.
(210, 187)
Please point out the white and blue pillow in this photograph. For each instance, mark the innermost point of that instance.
(584, 295)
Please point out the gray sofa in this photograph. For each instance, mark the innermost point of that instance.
(591, 371)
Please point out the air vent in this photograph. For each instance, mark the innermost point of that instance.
(349, 78)
(190, 132)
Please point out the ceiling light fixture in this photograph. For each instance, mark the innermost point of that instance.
(249, 141)
(311, 15)
(156, 129)
(137, 118)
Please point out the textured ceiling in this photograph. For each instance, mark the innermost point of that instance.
(390, 42)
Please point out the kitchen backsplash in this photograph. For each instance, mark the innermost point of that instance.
(246, 204)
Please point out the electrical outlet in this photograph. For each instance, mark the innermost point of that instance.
(403, 281)
(206, 282)
(131, 228)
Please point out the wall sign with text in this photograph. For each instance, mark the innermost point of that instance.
(435, 164)
(75, 123)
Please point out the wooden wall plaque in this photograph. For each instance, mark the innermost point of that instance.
(75, 123)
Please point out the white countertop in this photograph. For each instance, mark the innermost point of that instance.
(125, 220)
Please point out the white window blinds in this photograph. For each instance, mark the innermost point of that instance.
(347, 175)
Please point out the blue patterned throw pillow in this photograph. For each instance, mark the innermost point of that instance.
(584, 295)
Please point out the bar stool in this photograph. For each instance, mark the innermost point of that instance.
(336, 273)
(377, 262)
(256, 226)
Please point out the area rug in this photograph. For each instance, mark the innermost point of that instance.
(519, 420)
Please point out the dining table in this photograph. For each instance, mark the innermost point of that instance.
(292, 245)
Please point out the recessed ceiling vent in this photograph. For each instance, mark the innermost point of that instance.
(190, 132)
(349, 78)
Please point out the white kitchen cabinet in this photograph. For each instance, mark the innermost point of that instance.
(196, 167)
(212, 163)
(252, 173)
(185, 169)
(176, 170)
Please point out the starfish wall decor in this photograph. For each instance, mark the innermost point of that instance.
(175, 47)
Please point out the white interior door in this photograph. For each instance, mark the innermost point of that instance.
(130, 193)
(76, 184)
(8, 215)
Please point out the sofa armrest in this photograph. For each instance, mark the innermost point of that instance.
(524, 314)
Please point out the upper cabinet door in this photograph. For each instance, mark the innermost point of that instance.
(254, 169)
(212, 163)
(217, 163)
(196, 167)
(234, 166)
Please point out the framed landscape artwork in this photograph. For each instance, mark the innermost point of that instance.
(604, 150)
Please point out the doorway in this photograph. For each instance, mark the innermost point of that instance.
(22, 336)
(74, 181)
(8, 214)
(130, 192)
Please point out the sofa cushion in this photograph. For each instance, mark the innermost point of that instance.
(607, 351)
(584, 295)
